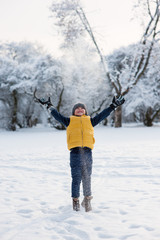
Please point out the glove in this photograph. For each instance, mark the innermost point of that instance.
(117, 101)
(47, 103)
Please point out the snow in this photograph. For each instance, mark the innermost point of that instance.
(35, 180)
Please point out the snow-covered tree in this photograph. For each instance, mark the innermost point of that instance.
(73, 23)
(24, 68)
(143, 101)
(24, 74)
(81, 46)
(142, 53)
(83, 79)
(65, 12)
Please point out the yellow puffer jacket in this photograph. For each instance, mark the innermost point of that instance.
(80, 132)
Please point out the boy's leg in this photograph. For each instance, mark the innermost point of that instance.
(76, 174)
(86, 181)
(86, 173)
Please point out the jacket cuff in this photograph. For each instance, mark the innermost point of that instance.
(50, 109)
(112, 106)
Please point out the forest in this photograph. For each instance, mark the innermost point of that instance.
(82, 74)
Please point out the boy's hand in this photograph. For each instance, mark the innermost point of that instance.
(44, 102)
(117, 101)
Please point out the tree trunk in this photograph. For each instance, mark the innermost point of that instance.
(148, 121)
(14, 113)
(118, 117)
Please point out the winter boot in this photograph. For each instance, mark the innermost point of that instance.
(86, 203)
(76, 205)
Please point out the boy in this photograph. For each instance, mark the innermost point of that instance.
(80, 140)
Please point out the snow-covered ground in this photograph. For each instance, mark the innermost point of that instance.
(35, 202)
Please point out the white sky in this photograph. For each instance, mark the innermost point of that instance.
(29, 20)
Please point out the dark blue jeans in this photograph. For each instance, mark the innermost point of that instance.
(81, 170)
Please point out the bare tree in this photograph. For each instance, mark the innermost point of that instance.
(140, 61)
(74, 23)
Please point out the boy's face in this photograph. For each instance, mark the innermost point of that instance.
(79, 111)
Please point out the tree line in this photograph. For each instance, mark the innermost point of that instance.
(83, 74)
(26, 69)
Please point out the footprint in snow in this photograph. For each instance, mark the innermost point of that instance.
(135, 226)
(98, 229)
(24, 199)
(148, 228)
(43, 203)
(142, 226)
(122, 212)
(105, 236)
(25, 213)
(125, 237)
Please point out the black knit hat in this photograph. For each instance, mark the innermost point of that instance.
(77, 106)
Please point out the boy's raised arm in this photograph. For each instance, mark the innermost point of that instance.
(59, 117)
(101, 116)
(106, 112)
